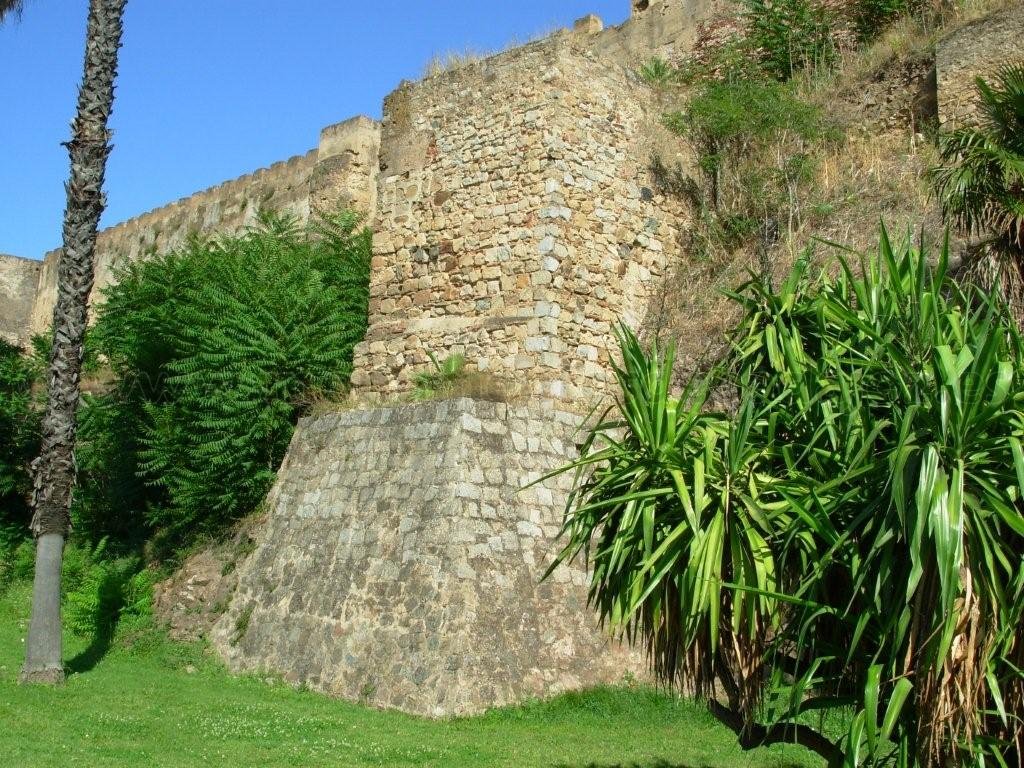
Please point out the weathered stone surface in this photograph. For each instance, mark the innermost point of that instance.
(977, 49)
(346, 171)
(665, 28)
(516, 221)
(401, 563)
(190, 602)
(18, 281)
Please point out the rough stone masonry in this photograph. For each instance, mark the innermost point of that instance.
(517, 221)
(401, 561)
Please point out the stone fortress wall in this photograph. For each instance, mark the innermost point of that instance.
(349, 167)
(516, 221)
(401, 559)
(398, 561)
(337, 172)
(226, 208)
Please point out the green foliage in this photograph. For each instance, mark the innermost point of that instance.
(103, 590)
(980, 183)
(217, 350)
(17, 556)
(755, 144)
(734, 115)
(733, 60)
(789, 35)
(872, 16)
(110, 498)
(19, 431)
(658, 72)
(441, 380)
(852, 535)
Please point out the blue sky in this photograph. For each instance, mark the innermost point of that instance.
(212, 89)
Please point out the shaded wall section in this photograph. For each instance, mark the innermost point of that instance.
(19, 279)
(400, 563)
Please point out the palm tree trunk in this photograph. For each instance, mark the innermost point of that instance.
(54, 469)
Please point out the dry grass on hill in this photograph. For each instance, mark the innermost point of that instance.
(881, 98)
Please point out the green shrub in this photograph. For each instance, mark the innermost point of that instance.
(102, 590)
(727, 115)
(17, 555)
(873, 16)
(980, 183)
(19, 431)
(110, 499)
(658, 72)
(216, 349)
(789, 35)
(850, 535)
(755, 143)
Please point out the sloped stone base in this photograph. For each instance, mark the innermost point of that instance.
(401, 563)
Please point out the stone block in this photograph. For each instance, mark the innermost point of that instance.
(348, 594)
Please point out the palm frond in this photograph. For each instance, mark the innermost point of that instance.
(10, 8)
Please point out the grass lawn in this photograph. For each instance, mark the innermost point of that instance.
(159, 703)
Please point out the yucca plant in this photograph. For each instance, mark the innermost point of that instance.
(981, 181)
(658, 73)
(440, 379)
(849, 538)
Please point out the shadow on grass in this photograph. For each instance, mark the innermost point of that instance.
(87, 659)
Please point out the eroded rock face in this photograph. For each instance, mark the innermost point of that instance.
(187, 602)
(978, 49)
(190, 602)
(400, 563)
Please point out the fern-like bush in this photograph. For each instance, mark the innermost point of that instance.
(105, 592)
(19, 431)
(216, 348)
